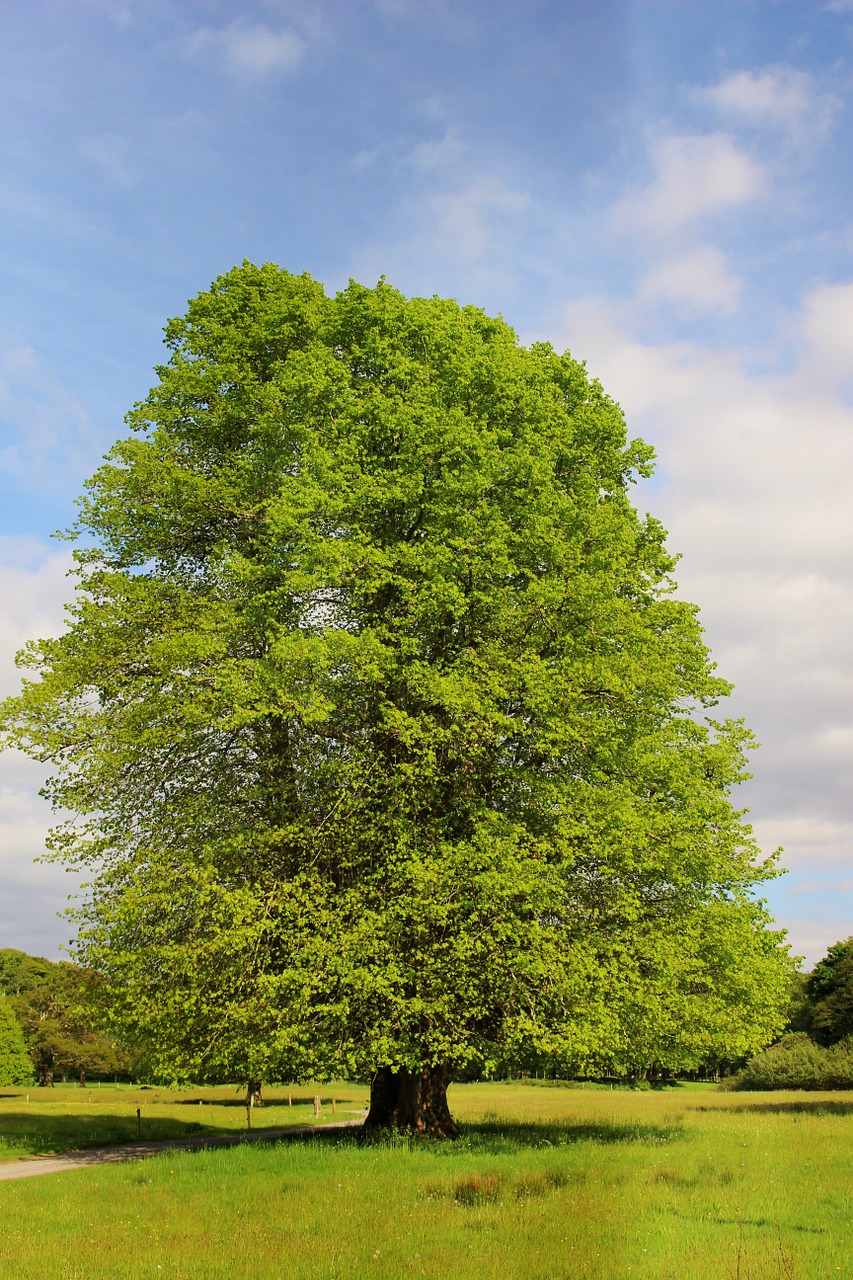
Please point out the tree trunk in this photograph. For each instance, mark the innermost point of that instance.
(413, 1100)
(46, 1077)
(253, 1094)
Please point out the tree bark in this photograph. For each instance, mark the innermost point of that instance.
(253, 1094)
(412, 1100)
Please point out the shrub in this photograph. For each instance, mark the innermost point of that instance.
(796, 1062)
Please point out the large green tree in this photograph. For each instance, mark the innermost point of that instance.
(384, 732)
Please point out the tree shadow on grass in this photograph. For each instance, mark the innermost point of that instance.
(270, 1100)
(508, 1135)
(28, 1134)
(37, 1135)
(818, 1107)
(499, 1137)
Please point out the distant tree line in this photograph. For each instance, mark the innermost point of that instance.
(46, 1017)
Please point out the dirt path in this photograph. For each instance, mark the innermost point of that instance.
(33, 1166)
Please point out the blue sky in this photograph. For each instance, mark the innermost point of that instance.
(663, 187)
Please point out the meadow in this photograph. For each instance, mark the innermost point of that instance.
(43, 1121)
(546, 1183)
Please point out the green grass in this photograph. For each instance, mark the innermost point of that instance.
(545, 1184)
(41, 1121)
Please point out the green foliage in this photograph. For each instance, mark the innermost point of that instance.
(391, 741)
(20, 973)
(57, 1020)
(57, 1006)
(829, 990)
(796, 1062)
(15, 1065)
(799, 1007)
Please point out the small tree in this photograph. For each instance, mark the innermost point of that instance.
(391, 740)
(16, 1068)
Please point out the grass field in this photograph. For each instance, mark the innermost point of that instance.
(545, 1184)
(40, 1121)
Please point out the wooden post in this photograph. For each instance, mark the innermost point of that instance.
(138, 1123)
(333, 1106)
(249, 1112)
(316, 1106)
(289, 1100)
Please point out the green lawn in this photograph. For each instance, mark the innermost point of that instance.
(38, 1121)
(545, 1184)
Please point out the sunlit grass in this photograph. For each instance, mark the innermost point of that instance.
(545, 1184)
(42, 1121)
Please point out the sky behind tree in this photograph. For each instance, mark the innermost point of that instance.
(663, 188)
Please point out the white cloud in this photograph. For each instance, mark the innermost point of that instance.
(34, 586)
(34, 892)
(467, 221)
(826, 327)
(756, 488)
(438, 154)
(695, 176)
(697, 282)
(815, 937)
(248, 49)
(781, 98)
(463, 220)
(453, 235)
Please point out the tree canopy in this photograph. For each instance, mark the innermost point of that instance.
(20, 972)
(387, 739)
(54, 1005)
(15, 1065)
(829, 991)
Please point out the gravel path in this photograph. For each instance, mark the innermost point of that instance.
(33, 1166)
